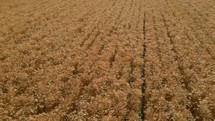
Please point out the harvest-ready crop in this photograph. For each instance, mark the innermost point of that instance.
(107, 60)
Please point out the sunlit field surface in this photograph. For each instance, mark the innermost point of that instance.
(107, 60)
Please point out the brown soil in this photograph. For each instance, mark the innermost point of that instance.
(107, 60)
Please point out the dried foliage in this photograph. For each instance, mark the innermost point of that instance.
(107, 60)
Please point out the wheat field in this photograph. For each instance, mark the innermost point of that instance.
(107, 60)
